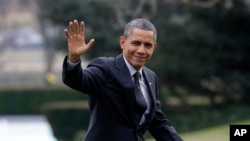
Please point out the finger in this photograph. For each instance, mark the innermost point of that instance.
(90, 43)
(71, 27)
(76, 27)
(66, 32)
(82, 28)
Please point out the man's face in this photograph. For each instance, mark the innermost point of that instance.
(138, 47)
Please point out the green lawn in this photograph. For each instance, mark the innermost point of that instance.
(218, 133)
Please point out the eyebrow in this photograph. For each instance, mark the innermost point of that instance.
(138, 41)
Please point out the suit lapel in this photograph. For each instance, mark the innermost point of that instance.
(127, 83)
(150, 81)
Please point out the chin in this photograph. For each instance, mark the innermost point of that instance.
(137, 66)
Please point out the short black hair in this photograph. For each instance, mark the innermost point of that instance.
(141, 24)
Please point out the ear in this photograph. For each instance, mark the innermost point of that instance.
(122, 42)
(155, 45)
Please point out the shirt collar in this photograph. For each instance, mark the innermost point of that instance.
(131, 69)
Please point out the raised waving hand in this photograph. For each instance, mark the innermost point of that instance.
(76, 40)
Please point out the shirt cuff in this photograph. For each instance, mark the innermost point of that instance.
(71, 65)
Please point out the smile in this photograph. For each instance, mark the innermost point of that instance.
(141, 57)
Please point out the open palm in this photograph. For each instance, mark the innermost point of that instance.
(76, 40)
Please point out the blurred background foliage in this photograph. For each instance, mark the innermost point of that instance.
(202, 59)
(203, 45)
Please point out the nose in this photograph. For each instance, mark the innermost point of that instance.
(141, 49)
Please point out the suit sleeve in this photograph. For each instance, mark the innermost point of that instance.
(160, 127)
(84, 80)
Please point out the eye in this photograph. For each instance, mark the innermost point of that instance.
(136, 43)
(148, 45)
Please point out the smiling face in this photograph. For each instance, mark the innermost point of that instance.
(138, 47)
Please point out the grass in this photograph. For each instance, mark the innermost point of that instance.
(217, 133)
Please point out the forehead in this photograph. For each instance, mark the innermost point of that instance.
(137, 33)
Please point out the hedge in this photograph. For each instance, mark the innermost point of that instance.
(30, 101)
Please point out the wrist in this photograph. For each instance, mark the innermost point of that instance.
(74, 59)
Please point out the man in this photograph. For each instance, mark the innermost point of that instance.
(122, 106)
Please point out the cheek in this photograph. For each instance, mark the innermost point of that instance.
(126, 53)
(149, 53)
(128, 50)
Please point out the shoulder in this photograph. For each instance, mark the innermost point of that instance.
(108, 62)
(101, 61)
(150, 74)
(149, 71)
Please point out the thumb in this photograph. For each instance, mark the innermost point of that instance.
(90, 43)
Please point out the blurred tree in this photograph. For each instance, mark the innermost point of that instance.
(205, 49)
(228, 22)
(203, 45)
(104, 19)
(52, 16)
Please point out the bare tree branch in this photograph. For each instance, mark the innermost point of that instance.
(139, 8)
(153, 4)
(199, 3)
(122, 9)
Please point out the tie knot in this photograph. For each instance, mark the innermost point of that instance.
(137, 76)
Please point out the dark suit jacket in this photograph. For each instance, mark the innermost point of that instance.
(110, 88)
